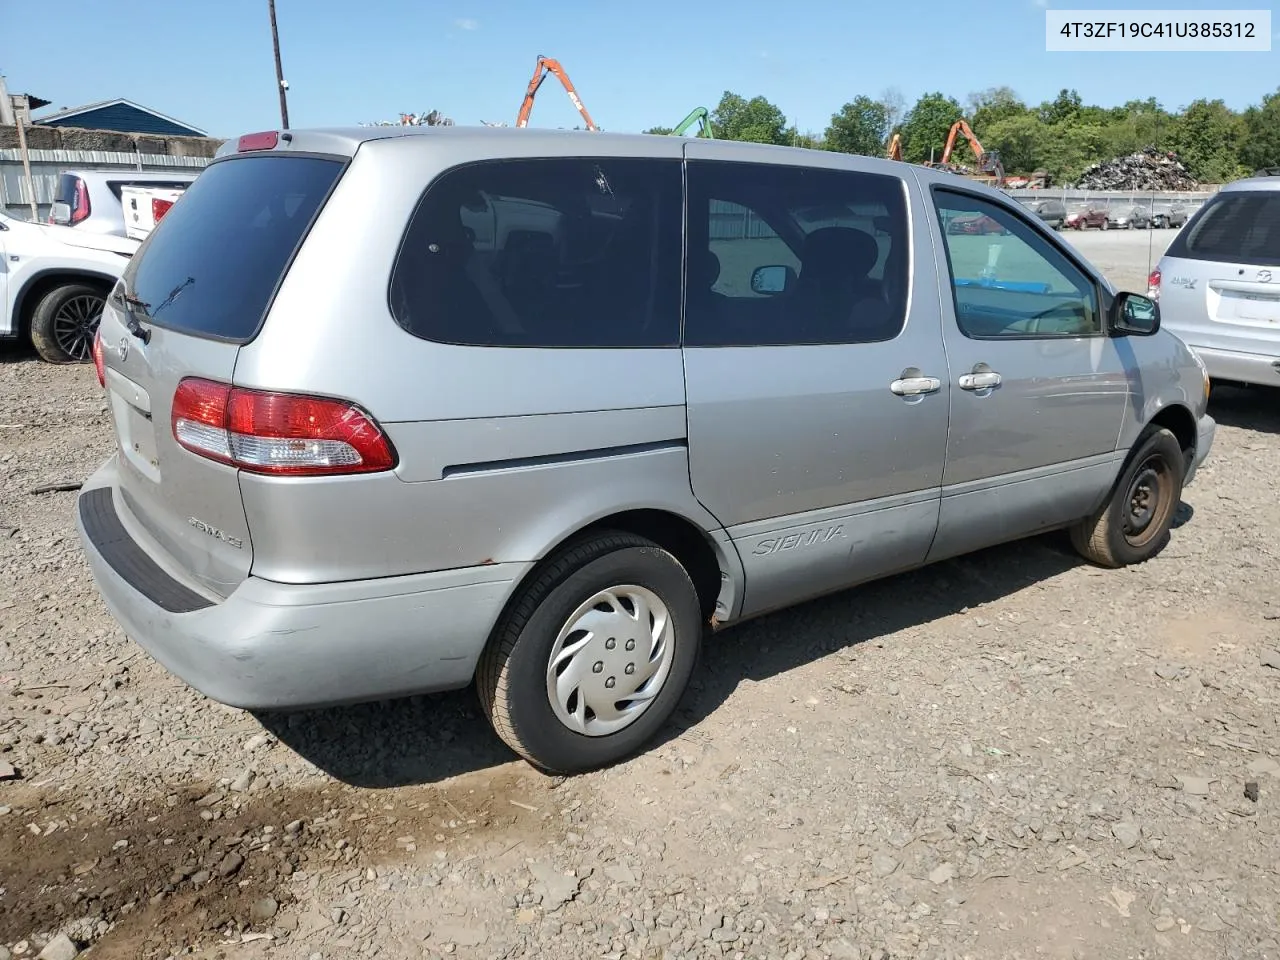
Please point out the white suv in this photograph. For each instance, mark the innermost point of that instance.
(54, 283)
(92, 200)
(1219, 282)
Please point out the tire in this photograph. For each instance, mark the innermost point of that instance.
(1157, 463)
(515, 678)
(64, 322)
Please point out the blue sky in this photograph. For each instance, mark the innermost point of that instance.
(351, 62)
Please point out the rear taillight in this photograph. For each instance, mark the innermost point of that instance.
(277, 433)
(80, 211)
(99, 362)
(1153, 284)
(159, 208)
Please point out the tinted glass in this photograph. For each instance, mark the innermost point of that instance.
(65, 192)
(1236, 227)
(1008, 281)
(789, 255)
(545, 253)
(212, 266)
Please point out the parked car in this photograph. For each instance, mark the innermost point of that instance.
(1051, 211)
(1168, 215)
(1128, 217)
(1087, 215)
(91, 200)
(144, 207)
(1219, 282)
(546, 463)
(53, 284)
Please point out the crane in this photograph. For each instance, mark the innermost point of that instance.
(701, 117)
(545, 66)
(895, 147)
(988, 160)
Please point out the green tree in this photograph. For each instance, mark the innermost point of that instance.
(860, 126)
(755, 120)
(1019, 139)
(1208, 137)
(1061, 108)
(925, 127)
(990, 106)
(1262, 134)
(1134, 126)
(661, 131)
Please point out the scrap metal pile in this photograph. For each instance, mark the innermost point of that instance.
(1148, 169)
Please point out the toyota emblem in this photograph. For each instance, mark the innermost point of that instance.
(123, 349)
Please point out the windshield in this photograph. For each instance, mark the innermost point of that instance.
(212, 265)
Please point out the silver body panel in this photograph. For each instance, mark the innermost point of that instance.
(797, 465)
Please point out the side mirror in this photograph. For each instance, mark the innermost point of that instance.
(771, 280)
(1133, 315)
(60, 212)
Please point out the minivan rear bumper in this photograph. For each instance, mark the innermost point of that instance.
(274, 646)
(1259, 368)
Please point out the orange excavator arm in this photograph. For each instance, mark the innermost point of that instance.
(961, 127)
(895, 147)
(545, 66)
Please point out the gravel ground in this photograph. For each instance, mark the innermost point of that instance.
(1005, 755)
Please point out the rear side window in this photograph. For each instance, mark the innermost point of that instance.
(1234, 227)
(547, 252)
(212, 266)
(782, 255)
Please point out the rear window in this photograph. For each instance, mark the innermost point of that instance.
(1234, 227)
(212, 266)
(545, 252)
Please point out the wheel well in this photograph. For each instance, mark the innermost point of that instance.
(1182, 424)
(31, 295)
(679, 537)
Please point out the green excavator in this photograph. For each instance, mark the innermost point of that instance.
(700, 116)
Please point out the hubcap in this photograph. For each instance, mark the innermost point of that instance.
(610, 660)
(75, 324)
(1147, 505)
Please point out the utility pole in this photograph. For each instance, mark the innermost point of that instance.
(280, 83)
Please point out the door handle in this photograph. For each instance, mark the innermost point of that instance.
(979, 381)
(914, 386)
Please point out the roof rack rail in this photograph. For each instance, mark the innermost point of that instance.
(1267, 172)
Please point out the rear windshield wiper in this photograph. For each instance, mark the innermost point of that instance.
(130, 318)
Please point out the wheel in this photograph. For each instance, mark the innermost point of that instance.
(1133, 524)
(593, 655)
(64, 322)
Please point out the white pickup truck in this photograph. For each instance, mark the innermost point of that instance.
(144, 206)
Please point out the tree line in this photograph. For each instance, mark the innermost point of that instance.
(1061, 136)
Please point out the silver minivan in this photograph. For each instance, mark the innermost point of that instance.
(1219, 282)
(403, 410)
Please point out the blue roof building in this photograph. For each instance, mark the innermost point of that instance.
(119, 116)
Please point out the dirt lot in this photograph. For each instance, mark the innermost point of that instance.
(1007, 755)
